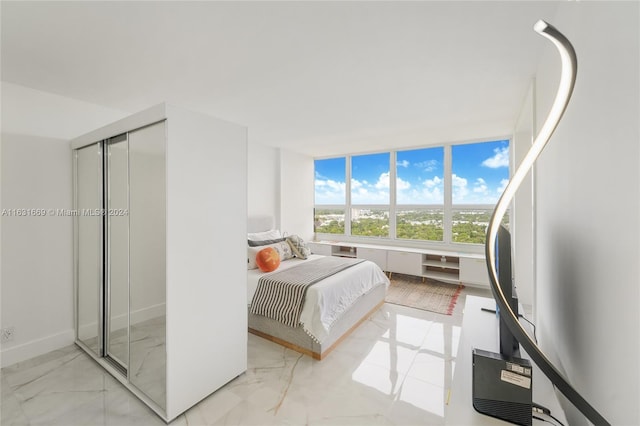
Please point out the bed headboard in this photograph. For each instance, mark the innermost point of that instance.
(260, 223)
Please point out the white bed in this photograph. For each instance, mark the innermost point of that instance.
(332, 308)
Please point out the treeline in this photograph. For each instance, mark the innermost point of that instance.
(469, 226)
(462, 232)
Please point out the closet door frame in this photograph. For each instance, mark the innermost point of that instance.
(78, 213)
(110, 211)
(104, 299)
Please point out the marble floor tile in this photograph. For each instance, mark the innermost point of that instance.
(395, 369)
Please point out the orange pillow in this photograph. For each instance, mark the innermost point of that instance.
(268, 259)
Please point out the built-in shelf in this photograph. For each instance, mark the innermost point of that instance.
(448, 262)
(440, 264)
(441, 267)
(344, 251)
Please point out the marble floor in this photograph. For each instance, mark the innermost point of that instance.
(395, 369)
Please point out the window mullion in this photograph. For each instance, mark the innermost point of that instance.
(448, 197)
(392, 195)
(347, 210)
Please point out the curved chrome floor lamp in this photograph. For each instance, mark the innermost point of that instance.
(565, 89)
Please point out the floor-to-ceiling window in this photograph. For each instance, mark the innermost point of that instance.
(479, 173)
(330, 195)
(370, 184)
(419, 212)
(441, 194)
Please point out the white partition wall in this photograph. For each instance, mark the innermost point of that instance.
(206, 256)
(296, 194)
(185, 331)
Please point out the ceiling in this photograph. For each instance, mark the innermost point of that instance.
(319, 78)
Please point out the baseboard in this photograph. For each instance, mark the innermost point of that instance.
(148, 313)
(141, 315)
(121, 321)
(22, 352)
(28, 350)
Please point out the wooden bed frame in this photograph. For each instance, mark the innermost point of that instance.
(296, 338)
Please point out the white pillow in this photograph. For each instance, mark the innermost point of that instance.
(273, 234)
(251, 257)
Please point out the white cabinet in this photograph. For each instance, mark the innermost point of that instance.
(177, 182)
(377, 256)
(447, 266)
(319, 248)
(404, 262)
(474, 271)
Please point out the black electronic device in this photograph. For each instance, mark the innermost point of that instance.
(502, 387)
(509, 345)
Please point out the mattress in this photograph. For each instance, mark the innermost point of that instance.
(327, 300)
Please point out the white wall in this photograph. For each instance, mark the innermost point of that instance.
(296, 194)
(522, 218)
(36, 291)
(280, 184)
(263, 181)
(588, 215)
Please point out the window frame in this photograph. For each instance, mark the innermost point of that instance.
(448, 206)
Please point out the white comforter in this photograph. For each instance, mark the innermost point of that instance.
(328, 299)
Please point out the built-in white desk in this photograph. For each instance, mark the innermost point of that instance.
(480, 330)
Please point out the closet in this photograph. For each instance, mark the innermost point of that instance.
(160, 201)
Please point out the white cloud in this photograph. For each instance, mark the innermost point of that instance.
(430, 192)
(402, 185)
(427, 166)
(460, 189)
(362, 192)
(433, 191)
(430, 183)
(403, 163)
(383, 181)
(500, 158)
(480, 186)
(365, 196)
(329, 191)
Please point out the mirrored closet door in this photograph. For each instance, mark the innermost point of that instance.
(120, 194)
(148, 265)
(102, 249)
(117, 246)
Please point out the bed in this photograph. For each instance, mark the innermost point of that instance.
(333, 307)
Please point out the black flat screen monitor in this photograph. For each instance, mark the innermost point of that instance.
(509, 346)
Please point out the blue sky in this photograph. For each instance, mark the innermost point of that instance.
(479, 173)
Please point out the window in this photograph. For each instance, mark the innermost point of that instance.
(479, 173)
(330, 196)
(442, 194)
(420, 194)
(370, 195)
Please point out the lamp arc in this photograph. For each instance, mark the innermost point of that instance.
(565, 89)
